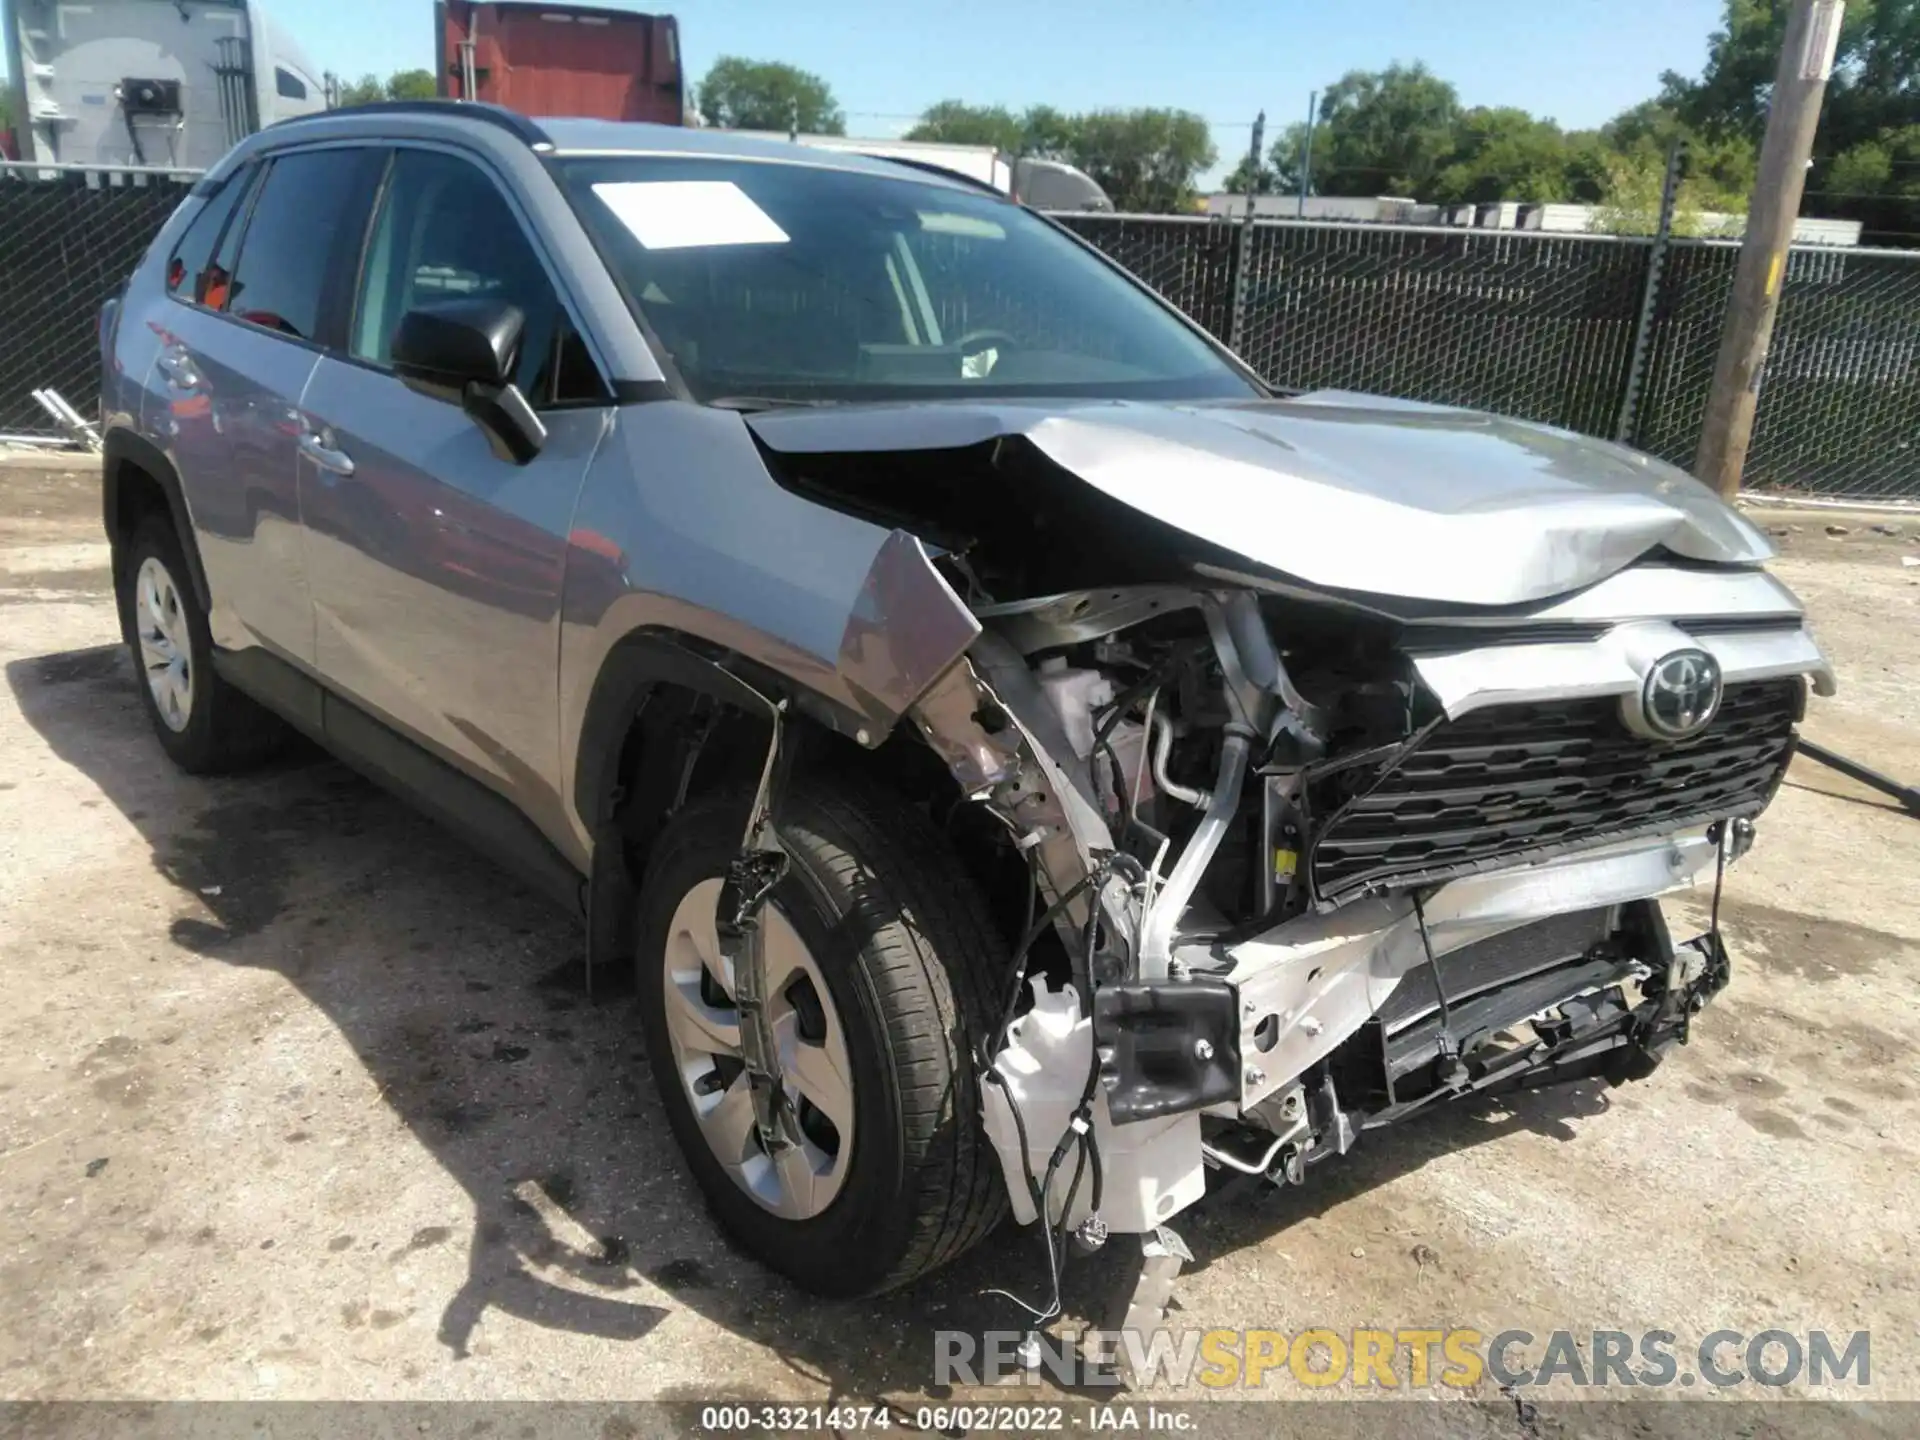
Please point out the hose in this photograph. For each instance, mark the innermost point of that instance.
(1162, 752)
(1156, 934)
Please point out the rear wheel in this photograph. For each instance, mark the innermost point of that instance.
(879, 961)
(202, 722)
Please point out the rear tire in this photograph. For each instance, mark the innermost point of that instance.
(205, 725)
(901, 938)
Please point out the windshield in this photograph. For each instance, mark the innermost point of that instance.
(790, 282)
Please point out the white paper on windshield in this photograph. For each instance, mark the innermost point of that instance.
(682, 214)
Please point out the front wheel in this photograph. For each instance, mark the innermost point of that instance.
(880, 961)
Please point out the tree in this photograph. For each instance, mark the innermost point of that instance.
(1717, 170)
(1383, 133)
(954, 122)
(412, 85)
(1248, 178)
(367, 90)
(371, 90)
(1146, 160)
(9, 105)
(1878, 181)
(1636, 182)
(1507, 154)
(1288, 153)
(742, 94)
(1048, 133)
(1871, 99)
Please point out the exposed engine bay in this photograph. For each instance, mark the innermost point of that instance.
(1298, 899)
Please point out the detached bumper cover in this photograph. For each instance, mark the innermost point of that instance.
(1308, 985)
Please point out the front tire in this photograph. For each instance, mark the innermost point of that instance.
(881, 962)
(205, 725)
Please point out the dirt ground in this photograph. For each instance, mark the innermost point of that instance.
(300, 1099)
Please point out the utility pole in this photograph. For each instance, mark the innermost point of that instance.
(1253, 162)
(1306, 157)
(1650, 294)
(1243, 242)
(1799, 85)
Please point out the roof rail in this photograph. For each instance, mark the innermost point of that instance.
(510, 120)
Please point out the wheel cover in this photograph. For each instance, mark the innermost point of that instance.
(703, 1027)
(166, 651)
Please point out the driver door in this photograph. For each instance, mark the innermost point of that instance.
(437, 563)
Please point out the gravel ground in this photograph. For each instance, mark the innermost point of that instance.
(298, 1099)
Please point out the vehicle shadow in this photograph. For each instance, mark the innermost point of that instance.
(462, 994)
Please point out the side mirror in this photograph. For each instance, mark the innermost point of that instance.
(465, 351)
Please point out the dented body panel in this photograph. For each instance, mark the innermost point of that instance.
(1366, 496)
(680, 530)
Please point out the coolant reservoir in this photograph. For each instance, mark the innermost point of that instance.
(1150, 1169)
(1075, 695)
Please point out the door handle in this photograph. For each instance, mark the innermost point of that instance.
(179, 371)
(336, 461)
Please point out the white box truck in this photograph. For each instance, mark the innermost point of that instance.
(150, 83)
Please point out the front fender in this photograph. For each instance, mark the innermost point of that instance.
(684, 546)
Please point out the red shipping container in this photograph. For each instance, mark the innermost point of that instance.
(545, 59)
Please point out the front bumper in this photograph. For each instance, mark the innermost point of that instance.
(1304, 987)
(1284, 1046)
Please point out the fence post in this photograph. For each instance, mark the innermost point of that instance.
(1237, 304)
(1650, 298)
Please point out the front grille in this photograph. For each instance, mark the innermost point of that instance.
(1513, 783)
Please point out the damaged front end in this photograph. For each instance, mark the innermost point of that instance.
(1330, 824)
(1305, 874)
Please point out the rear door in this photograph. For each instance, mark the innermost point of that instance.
(252, 310)
(437, 564)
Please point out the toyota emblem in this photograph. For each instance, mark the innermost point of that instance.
(1678, 698)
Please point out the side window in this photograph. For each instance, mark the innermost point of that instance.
(445, 232)
(189, 270)
(309, 203)
(290, 85)
(217, 284)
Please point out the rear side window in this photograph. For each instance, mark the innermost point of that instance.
(309, 205)
(188, 270)
(217, 284)
(290, 85)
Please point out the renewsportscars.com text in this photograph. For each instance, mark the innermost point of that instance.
(1414, 1358)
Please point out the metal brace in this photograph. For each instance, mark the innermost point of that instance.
(761, 865)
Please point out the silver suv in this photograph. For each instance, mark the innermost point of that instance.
(1025, 762)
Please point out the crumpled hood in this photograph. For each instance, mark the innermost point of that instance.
(1343, 492)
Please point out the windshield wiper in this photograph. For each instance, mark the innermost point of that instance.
(747, 404)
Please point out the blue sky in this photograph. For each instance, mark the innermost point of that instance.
(1578, 61)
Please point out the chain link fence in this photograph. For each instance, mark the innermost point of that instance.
(68, 238)
(1539, 326)
(1544, 327)
(1839, 407)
